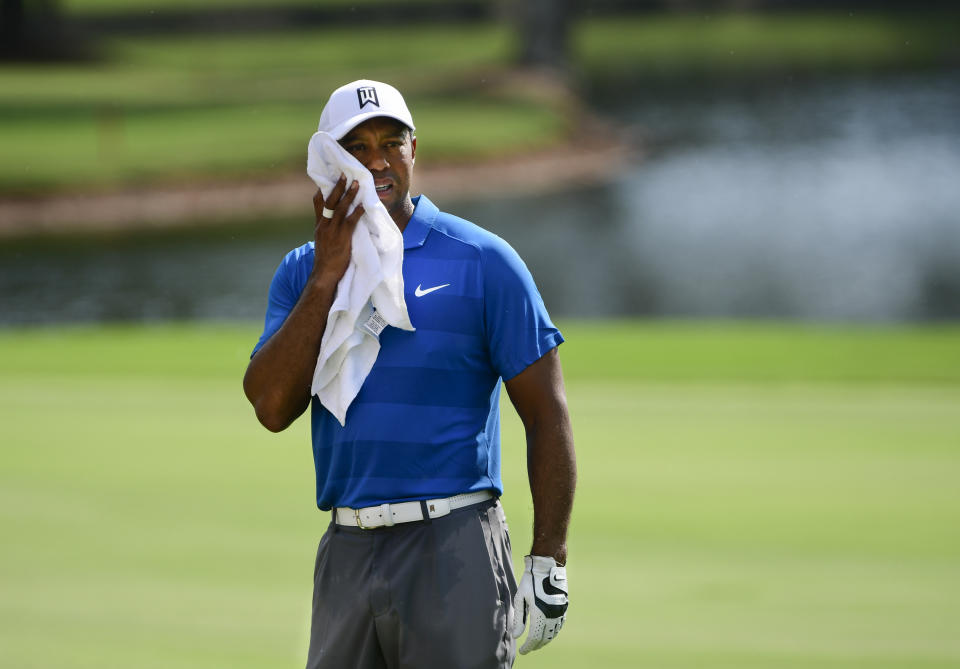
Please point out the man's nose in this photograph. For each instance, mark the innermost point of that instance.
(377, 161)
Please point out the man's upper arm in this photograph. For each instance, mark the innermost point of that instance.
(538, 392)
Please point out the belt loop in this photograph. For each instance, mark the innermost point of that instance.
(423, 510)
(335, 523)
(386, 513)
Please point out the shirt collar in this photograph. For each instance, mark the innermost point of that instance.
(424, 214)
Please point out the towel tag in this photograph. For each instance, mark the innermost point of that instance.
(375, 324)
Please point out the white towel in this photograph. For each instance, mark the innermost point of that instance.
(370, 294)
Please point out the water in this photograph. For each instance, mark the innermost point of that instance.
(833, 200)
(817, 200)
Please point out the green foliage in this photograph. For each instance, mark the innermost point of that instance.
(722, 519)
(95, 7)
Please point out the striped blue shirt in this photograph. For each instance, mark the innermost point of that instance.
(426, 421)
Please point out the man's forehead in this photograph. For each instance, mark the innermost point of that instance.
(383, 125)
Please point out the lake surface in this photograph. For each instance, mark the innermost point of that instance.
(829, 200)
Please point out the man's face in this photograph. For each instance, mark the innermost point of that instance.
(385, 147)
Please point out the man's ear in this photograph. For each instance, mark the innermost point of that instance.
(413, 148)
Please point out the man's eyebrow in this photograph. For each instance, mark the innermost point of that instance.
(399, 134)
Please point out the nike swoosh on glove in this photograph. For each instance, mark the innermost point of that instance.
(543, 597)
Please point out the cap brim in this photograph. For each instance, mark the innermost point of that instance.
(342, 129)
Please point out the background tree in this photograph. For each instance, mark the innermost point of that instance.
(11, 26)
(35, 30)
(544, 30)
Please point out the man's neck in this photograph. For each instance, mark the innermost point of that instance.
(402, 214)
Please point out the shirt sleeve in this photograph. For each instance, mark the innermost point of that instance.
(519, 330)
(284, 293)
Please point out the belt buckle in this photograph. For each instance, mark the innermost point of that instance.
(356, 515)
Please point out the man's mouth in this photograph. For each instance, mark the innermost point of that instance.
(384, 189)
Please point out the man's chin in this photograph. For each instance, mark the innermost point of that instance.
(393, 201)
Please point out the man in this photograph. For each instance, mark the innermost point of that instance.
(414, 569)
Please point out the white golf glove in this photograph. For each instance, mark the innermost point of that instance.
(543, 597)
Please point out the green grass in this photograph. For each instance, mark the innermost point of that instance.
(727, 44)
(110, 146)
(302, 65)
(206, 107)
(794, 504)
(202, 107)
(768, 352)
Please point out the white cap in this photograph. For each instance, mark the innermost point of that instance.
(351, 105)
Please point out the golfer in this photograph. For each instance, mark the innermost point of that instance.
(414, 569)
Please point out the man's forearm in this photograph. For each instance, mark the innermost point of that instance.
(541, 401)
(552, 469)
(279, 376)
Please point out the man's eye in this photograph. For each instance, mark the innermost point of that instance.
(353, 148)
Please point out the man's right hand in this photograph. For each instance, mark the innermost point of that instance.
(278, 378)
(334, 229)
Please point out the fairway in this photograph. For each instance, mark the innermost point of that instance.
(750, 496)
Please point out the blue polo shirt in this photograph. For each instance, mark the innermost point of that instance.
(426, 421)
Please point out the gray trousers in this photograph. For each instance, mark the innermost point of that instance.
(421, 595)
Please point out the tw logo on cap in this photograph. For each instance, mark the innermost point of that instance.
(367, 94)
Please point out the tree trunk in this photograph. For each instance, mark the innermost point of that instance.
(544, 31)
(36, 31)
(11, 27)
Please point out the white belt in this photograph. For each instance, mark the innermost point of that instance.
(387, 515)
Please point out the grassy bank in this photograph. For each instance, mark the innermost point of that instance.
(228, 106)
(201, 107)
(750, 496)
(749, 45)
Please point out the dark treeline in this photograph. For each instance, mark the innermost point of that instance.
(14, 14)
(40, 30)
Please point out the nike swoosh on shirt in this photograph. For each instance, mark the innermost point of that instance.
(420, 292)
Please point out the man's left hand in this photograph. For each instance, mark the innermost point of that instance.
(543, 597)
